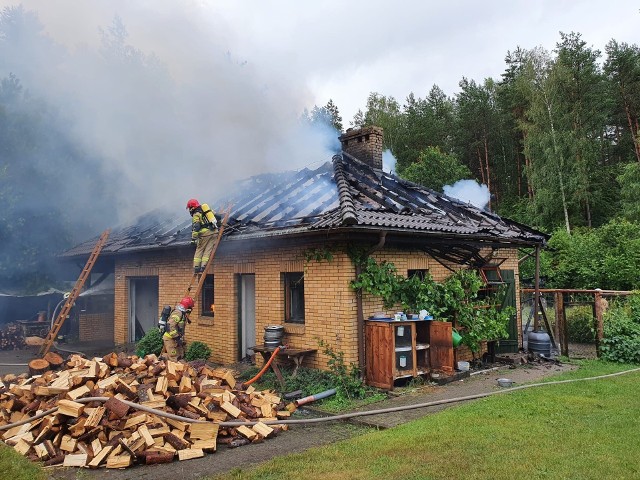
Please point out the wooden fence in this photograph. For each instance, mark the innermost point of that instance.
(559, 330)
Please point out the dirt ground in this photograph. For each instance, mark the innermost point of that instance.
(299, 437)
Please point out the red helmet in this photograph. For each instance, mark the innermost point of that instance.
(193, 203)
(187, 302)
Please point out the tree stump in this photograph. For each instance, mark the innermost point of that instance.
(38, 366)
(54, 360)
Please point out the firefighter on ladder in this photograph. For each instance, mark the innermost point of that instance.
(203, 229)
(173, 336)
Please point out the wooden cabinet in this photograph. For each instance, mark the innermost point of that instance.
(406, 349)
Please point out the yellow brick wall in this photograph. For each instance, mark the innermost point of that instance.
(96, 326)
(330, 304)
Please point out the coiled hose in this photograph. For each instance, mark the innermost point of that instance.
(332, 418)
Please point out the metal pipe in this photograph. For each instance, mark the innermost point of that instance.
(317, 396)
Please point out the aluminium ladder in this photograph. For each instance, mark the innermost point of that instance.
(73, 295)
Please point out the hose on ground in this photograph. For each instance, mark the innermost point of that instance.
(264, 368)
(332, 418)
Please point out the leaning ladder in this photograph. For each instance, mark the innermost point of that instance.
(73, 295)
(198, 278)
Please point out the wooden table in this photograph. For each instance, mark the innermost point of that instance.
(295, 354)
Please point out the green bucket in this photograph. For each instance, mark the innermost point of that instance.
(456, 337)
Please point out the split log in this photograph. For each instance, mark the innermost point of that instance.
(38, 366)
(175, 441)
(116, 407)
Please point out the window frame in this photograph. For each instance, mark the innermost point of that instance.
(293, 285)
(208, 286)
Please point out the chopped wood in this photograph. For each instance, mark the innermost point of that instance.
(175, 441)
(119, 461)
(262, 429)
(95, 417)
(70, 408)
(100, 457)
(190, 453)
(76, 460)
(113, 433)
(231, 410)
(116, 407)
(247, 432)
(156, 457)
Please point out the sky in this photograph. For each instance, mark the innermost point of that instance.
(234, 76)
(345, 50)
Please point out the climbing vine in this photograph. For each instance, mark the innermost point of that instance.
(455, 299)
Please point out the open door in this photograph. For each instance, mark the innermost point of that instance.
(509, 345)
(246, 314)
(143, 306)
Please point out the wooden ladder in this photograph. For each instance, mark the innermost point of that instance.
(73, 295)
(199, 278)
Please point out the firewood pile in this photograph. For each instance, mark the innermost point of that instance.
(113, 434)
(11, 337)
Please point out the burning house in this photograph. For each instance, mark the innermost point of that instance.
(271, 266)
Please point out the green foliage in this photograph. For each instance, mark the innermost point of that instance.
(629, 181)
(435, 169)
(348, 385)
(318, 255)
(621, 342)
(456, 299)
(580, 324)
(197, 351)
(607, 257)
(151, 343)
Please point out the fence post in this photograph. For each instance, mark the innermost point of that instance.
(561, 325)
(599, 323)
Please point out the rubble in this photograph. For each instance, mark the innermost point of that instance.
(54, 425)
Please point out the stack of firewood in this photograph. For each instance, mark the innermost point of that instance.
(11, 337)
(114, 433)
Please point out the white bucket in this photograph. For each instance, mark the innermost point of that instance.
(463, 366)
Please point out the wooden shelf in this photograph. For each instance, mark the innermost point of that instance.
(405, 349)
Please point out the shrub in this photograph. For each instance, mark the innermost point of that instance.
(621, 342)
(197, 351)
(151, 343)
(580, 324)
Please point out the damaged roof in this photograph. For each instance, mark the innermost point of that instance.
(342, 194)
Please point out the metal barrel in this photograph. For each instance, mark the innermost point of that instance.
(273, 335)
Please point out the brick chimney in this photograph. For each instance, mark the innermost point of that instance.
(365, 144)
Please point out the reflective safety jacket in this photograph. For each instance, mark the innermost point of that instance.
(175, 324)
(200, 226)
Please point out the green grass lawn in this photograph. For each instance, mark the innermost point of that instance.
(583, 430)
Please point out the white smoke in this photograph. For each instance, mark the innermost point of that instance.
(388, 162)
(159, 95)
(469, 191)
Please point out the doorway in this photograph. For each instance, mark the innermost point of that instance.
(246, 314)
(143, 306)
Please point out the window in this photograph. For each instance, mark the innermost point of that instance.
(421, 273)
(293, 297)
(207, 298)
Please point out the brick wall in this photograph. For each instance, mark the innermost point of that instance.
(96, 326)
(330, 304)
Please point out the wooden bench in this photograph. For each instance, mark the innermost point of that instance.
(295, 354)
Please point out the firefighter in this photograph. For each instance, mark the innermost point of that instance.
(173, 337)
(203, 229)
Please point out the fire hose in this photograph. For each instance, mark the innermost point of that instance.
(332, 418)
(266, 366)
